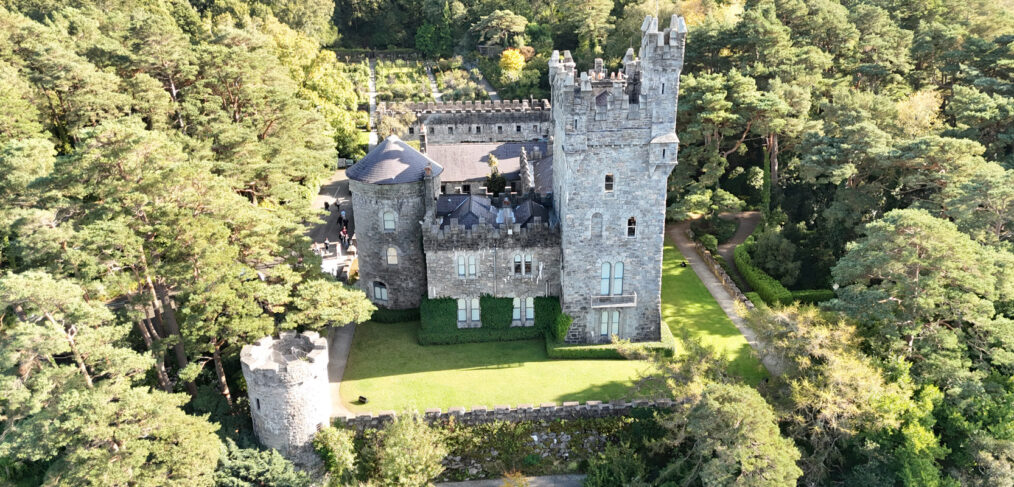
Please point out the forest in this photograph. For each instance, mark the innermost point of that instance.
(158, 159)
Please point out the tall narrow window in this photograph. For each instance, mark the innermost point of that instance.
(663, 88)
(609, 323)
(478, 129)
(516, 316)
(517, 264)
(609, 183)
(596, 225)
(462, 312)
(618, 278)
(499, 129)
(631, 227)
(528, 264)
(461, 266)
(614, 323)
(606, 277)
(450, 130)
(529, 309)
(389, 220)
(471, 266)
(475, 310)
(379, 291)
(411, 130)
(392, 255)
(604, 323)
(517, 128)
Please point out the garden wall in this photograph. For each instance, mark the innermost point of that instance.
(524, 412)
(720, 273)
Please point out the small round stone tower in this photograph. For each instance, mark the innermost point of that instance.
(290, 396)
(391, 189)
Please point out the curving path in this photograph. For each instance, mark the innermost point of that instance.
(748, 221)
(677, 234)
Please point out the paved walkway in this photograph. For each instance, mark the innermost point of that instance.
(748, 221)
(339, 342)
(373, 103)
(547, 481)
(437, 95)
(677, 234)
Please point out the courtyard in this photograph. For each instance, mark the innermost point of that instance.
(388, 366)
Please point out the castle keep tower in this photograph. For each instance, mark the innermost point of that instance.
(290, 399)
(614, 146)
(391, 188)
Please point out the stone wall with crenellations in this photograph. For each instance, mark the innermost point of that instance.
(524, 412)
(466, 121)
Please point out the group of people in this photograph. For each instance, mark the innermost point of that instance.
(344, 235)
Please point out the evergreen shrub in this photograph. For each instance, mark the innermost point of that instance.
(666, 346)
(385, 315)
(709, 242)
(547, 309)
(619, 464)
(438, 315)
(769, 289)
(439, 323)
(812, 296)
(495, 313)
(336, 450)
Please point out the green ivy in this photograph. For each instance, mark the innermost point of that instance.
(438, 315)
(546, 311)
(495, 313)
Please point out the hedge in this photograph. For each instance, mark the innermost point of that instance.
(561, 325)
(385, 315)
(812, 296)
(769, 289)
(546, 311)
(439, 323)
(438, 315)
(666, 346)
(756, 300)
(495, 313)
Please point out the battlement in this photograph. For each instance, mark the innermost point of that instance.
(486, 234)
(671, 40)
(290, 357)
(487, 106)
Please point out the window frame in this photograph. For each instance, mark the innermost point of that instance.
(609, 183)
(392, 256)
(384, 220)
(517, 265)
(529, 314)
(461, 267)
(605, 279)
(379, 286)
(528, 265)
(631, 227)
(472, 265)
(616, 286)
(474, 311)
(516, 316)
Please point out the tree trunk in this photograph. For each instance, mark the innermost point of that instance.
(173, 328)
(774, 160)
(223, 385)
(69, 333)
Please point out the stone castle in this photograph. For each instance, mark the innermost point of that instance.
(582, 218)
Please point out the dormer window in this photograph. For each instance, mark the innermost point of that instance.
(609, 183)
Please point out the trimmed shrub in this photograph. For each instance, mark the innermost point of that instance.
(709, 242)
(666, 346)
(756, 300)
(495, 313)
(438, 315)
(546, 311)
(812, 296)
(336, 449)
(561, 325)
(769, 289)
(477, 335)
(385, 315)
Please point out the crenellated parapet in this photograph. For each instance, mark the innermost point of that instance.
(487, 106)
(455, 236)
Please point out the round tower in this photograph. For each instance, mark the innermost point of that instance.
(391, 189)
(290, 396)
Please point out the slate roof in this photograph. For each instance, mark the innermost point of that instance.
(470, 161)
(471, 210)
(392, 162)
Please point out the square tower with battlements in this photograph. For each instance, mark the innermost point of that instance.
(614, 145)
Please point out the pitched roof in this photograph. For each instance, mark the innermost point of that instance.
(392, 162)
(471, 210)
(470, 161)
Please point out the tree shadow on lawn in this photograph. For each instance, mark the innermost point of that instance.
(386, 349)
(605, 392)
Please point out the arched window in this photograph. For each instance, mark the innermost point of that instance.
(528, 264)
(517, 264)
(471, 266)
(392, 255)
(596, 225)
(389, 219)
(461, 266)
(606, 277)
(379, 291)
(631, 227)
(618, 278)
(529, 309)
(609, 183)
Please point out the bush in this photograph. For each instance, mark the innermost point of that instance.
(709, 242)
(385, 315)
(561, 325)
(618, 465)
(410, 453)
(476, 335)
(495, 313)
(336, 449)
(546, 311)
(769, 289)
(666, 347)
(756, 300)
(250, 466)
(812, 296)
(439, 323)
(438, 315)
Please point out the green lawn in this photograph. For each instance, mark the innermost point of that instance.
(688, 306)
(390, 368)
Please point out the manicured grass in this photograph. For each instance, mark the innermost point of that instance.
(394, 372)
(688, 306)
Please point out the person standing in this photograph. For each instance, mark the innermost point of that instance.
(327, 244)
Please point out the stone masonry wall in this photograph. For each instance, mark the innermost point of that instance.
(494, 250)
(406, 280)
(490, 121)
(525, 412)
(289, 392)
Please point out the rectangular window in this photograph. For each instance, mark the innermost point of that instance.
(450, 130)
(529, 309)
(478, 129)
(517, 128)
(609, 183)
(618, 278)
(475, 311)
(466, 188)
(258, 404)
(461, 266)
(432, 130)
(471, 266)
(609, 323)
(604, 323)
(462, 312)
(528, 264)
(535, 128)
(606, 277)
(499, 129)
(516, 316)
